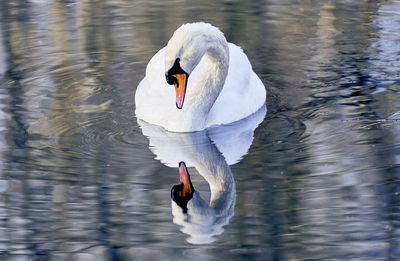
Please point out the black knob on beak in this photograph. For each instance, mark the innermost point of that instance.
(175, 69)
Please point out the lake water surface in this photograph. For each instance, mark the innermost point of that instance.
(82, 179)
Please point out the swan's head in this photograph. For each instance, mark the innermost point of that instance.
(184, 51)
(183, 192)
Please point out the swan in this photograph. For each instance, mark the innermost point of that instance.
(210, 152)
(213, 79)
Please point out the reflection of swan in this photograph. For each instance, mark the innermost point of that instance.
(222, 87)
(209, 152)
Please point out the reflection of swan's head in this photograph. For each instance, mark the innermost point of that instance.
(197, 219)
(186, 48)
(182, 192)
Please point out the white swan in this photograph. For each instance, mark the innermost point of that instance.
(214, 82)
(210, 152)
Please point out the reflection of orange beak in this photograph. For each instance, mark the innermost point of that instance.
(180, 88)
(185, 179)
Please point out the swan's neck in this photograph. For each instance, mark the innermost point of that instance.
(203, 91)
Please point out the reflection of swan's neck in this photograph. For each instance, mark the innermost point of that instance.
(219, 177)
(211, 164)
(203, 91)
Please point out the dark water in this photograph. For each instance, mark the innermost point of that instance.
(320, 181)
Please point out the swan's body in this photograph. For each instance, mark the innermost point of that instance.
(221, 85)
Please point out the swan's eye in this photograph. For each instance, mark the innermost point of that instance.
(170, 79)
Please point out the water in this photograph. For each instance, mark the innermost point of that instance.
(319, 179)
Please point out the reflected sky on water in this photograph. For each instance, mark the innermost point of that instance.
(318, 179)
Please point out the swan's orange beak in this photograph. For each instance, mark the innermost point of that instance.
(180, 81)
(184, 179)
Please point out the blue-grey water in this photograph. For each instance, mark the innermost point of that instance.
(319, 179)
